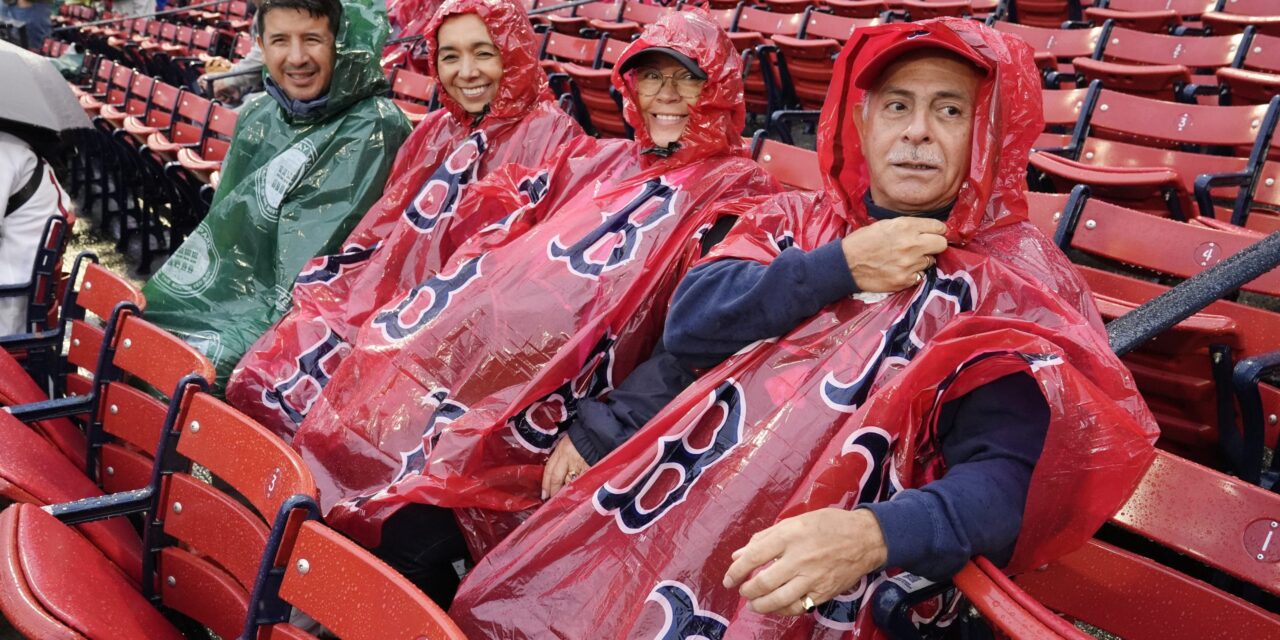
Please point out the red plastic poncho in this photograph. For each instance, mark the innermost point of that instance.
(455, 393)
(841, 410)
(411, 231)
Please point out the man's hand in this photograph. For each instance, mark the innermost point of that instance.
(563, 466)
(819, 554)
(885, 256)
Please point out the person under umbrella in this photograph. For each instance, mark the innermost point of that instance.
(35, 109)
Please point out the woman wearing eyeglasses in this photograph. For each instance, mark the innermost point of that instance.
(455, 391)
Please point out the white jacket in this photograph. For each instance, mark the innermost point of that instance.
(20, 231)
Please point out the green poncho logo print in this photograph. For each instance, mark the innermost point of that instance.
(281, 175)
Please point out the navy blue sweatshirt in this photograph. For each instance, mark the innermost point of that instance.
(991, 437)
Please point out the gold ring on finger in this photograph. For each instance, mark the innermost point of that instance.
(808, 604)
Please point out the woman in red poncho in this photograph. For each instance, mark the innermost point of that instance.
(455, 393)
(497, 110)
(845, 409)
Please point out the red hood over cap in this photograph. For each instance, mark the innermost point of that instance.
(717, 119)
(523, 83)
(1007, 118)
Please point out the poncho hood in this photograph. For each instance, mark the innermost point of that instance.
(357, 73)
(718, 117)
(1007, 118)
(523, 83)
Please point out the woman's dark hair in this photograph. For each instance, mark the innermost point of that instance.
(331, 9)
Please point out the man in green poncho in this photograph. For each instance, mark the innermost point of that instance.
(307, 160)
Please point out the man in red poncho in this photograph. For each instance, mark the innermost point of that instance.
(487, 48)
(455, 393)
(983, 400)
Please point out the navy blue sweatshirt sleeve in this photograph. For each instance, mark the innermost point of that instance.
(991, 440)
(603, 425)
(722, 306)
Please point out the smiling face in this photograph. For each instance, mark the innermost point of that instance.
(916, 129)
(468, 62)
(666, 110)
(298, 50)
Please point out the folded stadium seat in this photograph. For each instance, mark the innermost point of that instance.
(794, 167)
(1121, 125)
(1236, 15)
(1131, 594)
(598, 104)
(805, 61)
(96, 76)
(113, 92)
(558, 48)
(235, 19)
(1160, 66)
(1256, 207)
(788, 6)
(641, 14)
(203, 545)
(1048, 14)
(752, 32)
(1158, 21)
(202, 162)
(862, 9)
(1064, 45)
(1176, 372)
(605, 11)
(541, 20)
(185, 129)
(323, 574)
(926, 9)
(135, 102)
(112, 411)
(41, 292)
(1062, 122)
(68, 348)
(1258, 78)
(158, 116)
(124, 426)
(413, 93)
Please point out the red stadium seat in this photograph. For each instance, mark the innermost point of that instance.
(413, 93)
(806, 60)
(1157, 180)
(1100, 583)
(1176, 371)
(1064, 45)
(324, 574)
(599, 103)
(794, 167)
(863, 9)
(204, 546)
(71, 346)
(1237, 15)
(1158, 66)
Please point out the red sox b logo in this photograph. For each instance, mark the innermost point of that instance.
(537, 427)
(326, 268)
(426, 301)
(702, 445)
(414, 461)
(295, 395)
(616, 240)
(439, 197)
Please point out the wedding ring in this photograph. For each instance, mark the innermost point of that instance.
(919, 277)
(808, 603)
(573, 475)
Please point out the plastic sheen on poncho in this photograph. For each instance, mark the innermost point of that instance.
(842, 410)
(396, 245)
(292, 188)
(455, 394)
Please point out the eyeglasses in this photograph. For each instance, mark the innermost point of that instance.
(649, 83)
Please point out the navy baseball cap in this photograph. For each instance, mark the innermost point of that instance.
(685, 61)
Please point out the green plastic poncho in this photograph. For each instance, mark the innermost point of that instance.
(293, 186)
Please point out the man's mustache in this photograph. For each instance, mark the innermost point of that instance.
(915, 155)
